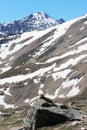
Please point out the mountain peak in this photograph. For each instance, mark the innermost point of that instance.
(36, 21)
(39, 15)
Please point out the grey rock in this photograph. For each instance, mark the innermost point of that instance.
(1, 93)
(45, 113)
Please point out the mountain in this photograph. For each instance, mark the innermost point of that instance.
(52, 62)
(36, 21)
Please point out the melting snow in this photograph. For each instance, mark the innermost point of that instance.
(27, 100)
(41, 86)
(68, 83)
(36, 81)
(61, 96)
(40, 92)
(82, 28)
(70, 62)
(61, 29)
(61, 74)
(5, 104)
(25, 83)
(5, 69)
(19, 78)
(74, 91)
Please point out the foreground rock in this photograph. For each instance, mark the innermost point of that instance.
(43, 112)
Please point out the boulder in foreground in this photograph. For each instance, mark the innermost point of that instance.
(44, 113)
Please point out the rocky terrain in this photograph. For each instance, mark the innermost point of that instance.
(44, 114)
(50, 62)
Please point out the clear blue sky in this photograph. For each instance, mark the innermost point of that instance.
(11, 10)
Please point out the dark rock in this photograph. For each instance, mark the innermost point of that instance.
(44, 113)
(5, 115)
(63, 106)
(1, 93)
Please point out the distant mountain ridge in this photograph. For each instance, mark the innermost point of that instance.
(36, 21)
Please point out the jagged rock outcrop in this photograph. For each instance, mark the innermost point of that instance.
(45, 113)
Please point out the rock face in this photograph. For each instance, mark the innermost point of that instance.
(44, 113)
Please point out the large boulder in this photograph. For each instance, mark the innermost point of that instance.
(45, 113)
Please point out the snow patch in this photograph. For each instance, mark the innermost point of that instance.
(61, 96)
(5, 69)
(82, 28)
(74, 91)
(61, 74)
(18, 78)
(27, 100)
(40, 92)
(69, 83)
(5, 104)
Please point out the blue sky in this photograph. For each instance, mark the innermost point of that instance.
(11, 10)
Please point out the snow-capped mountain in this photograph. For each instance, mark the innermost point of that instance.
(52, 62)
(36, 21)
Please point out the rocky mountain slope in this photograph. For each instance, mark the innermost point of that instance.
(36, 21)
(52, 62)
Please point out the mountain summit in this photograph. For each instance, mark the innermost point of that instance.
(36, 21)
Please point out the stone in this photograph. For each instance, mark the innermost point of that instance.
(44, 112)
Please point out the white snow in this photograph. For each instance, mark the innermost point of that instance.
(31, 102)
(18, 78)
(61, 96)
(41, 86)
(68, 83)
(36, 81)
(70, 62)
(27, 69)
(25, 83)
(5, 104)
(74, 91)
(82, 28)
(1, 62)
(35, 35)
(71, 52)
(61, 56)
(54, 95)
(16, 67)
(85, 22)
(50, 96)
(70, 36)
(61, 74)
(27, 100)
(40, 92)
(61, 29)
(79, 42)
(5, 69)
(7, 92)
(11, 58)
